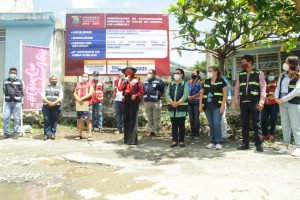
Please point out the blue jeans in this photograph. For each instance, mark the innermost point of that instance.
(194, 118)
(51, 115)
(12, 108)
(269, 115)
(290, 122)
(119, 114)
(97, 117)
(214, 117)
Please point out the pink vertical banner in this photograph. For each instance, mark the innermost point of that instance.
(36, 62)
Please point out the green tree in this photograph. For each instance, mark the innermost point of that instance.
(235, 26)
(201, 66)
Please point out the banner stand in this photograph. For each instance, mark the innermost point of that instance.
(21, 77)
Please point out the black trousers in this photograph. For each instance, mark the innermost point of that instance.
(249, 111)
(178, 129)
(130, 122)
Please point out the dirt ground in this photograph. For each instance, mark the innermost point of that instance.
(65, 169)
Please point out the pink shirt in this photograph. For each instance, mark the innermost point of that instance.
(263, 86)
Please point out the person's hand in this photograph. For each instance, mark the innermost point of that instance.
(222, 109)
(49, 103)
(133, 97)
(237, 106)
(52, 104)
(267, 100)
(279, 101)
(229, 103)
(174, 104)
(201, 109)
(260, 107)
(190, 98)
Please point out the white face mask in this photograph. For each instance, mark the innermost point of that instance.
(96, 78)
(177, 77)
(285, 67)
(149, 76)
(84, 79)
(209, 75)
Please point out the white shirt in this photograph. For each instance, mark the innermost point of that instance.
(285, 89)
(119, 94)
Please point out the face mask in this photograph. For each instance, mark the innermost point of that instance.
(209, 75)
(84, 79)
(271, 78)
(53, 83)
(244, 66)
(149, 76)
(177, 77)
(285, 67)
(96, 78)
(12, 76)
(129, 73)
(194, 76)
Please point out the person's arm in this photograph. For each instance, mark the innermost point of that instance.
(200, 100)
(60, 97)
(45, 100)
(168, 98)
(122, 86)
(77, 98)
(295, 92)
(184, 96)
(162, 88)
(263, 86)
(91, 92)
(237, 91)
(141, 90)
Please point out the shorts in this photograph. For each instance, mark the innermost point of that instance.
(86, 115)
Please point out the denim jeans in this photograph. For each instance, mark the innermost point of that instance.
(194, 119)
(12, 108)
(119, 114)
(97, 116)
(269, 116)
(290, 121)
(51, 115)
(214, 117)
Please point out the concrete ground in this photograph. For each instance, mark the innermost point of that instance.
(64, 169)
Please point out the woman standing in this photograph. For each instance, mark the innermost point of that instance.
(177, 97)
(133, 91)
(287, 95)
(213, 99)
(194, 94)
(271, 108)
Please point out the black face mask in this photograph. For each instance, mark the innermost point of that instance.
(53, 83)
(194, 76)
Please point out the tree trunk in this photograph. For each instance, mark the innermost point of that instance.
(222, 64)
(298, 5)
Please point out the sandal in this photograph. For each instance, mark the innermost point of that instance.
(89, 139)
(78, 137)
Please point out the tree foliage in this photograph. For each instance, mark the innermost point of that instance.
(235, 26)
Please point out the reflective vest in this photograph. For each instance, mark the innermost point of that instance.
(13, 90)
(179, 93)
(271, 87)
(98, 90)
(296, 99)
(83, 89)
(253, 91)
(52, 93)
(152, 90)
(216, 89)
(116, 85)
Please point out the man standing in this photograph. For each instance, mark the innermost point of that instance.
(250, 94)
(154, 88)
(13, 89)
(97, 117)
(118, 97)
(52, 97)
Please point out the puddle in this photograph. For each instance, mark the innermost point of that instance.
(32, 192)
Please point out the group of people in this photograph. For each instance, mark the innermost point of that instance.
(258, 98)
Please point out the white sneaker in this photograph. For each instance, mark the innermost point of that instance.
(283, 150)
(296, 152)
(218, 147)
(210, 146)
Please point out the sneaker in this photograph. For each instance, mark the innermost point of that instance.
(218, 147)
(6, 136)
(16, 136)
(45, 137)
(210, 146)
(271, 137)
(283, 150)
(296, 152)
(52, 137)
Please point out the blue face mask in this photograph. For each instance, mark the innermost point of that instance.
(271, 78)
(12, 76)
